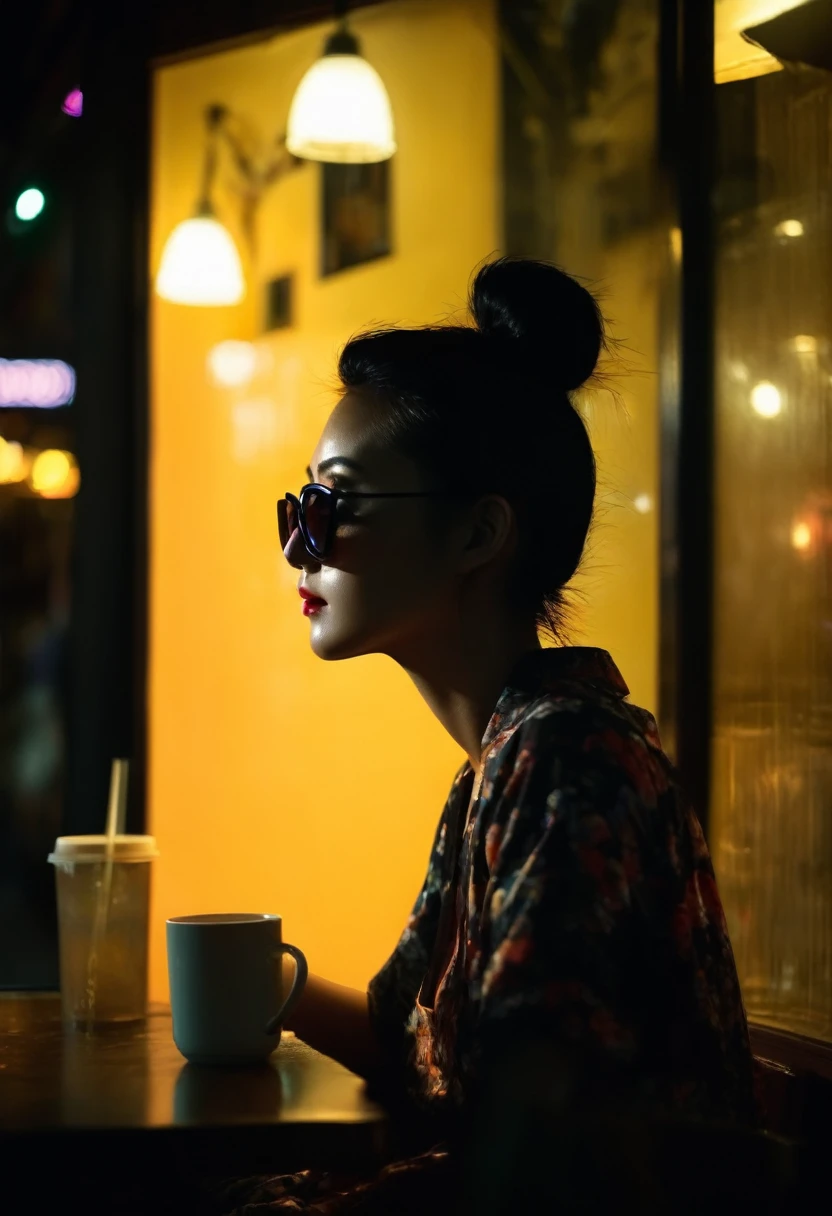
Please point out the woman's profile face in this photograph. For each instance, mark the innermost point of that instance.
(389, 580)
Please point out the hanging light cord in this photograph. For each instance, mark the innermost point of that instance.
(255, 177)
(342, 41)
(214, 116)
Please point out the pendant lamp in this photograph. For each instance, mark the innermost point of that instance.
(200, 264)
(341, 112)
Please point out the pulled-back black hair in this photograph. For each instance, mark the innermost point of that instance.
(485, 408)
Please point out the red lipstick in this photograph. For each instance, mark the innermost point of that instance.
(311, 603)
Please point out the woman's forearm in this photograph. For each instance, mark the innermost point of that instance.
(335, 1020)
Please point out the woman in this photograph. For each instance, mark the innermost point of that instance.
(569, 901)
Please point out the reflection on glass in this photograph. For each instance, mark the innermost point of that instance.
(788, 229)
(772, 776)
(766, 399)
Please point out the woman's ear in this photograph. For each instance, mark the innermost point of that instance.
(491, 532)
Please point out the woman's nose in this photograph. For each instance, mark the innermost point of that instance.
(297, 554)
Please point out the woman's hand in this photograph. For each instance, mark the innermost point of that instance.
(335, 1020)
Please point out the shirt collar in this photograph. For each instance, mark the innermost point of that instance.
(547, 669)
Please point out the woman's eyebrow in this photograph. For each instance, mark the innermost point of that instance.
(325, 465)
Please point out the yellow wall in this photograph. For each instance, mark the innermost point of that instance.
(254, 810)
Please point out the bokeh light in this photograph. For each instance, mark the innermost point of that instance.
(29, 204)
(643, 503)
(801, 535)
(36, 383)
(54, 474)
(789, 228)
(232, 364)
(766, 399)
(804, 344)
(13, 462)
(73, 103)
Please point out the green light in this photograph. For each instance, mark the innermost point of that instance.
(30, 204)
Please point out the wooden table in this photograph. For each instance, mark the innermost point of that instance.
(125, 1094)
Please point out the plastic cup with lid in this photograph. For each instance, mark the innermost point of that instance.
(103, 889)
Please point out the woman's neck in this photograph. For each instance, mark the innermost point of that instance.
(461, 680)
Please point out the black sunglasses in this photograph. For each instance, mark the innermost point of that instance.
(315, 512)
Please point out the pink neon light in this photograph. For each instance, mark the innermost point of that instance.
(73, 103)
(36, 383)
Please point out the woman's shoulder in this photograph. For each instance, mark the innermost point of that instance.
(577, 716)
(583, 740)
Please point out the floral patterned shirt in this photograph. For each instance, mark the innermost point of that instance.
(570, 892)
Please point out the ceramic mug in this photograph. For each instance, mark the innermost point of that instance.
(226, 988)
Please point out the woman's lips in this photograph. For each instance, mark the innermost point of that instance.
(311, 603)
(310, 607)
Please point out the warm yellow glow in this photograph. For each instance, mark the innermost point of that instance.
(68, 488)
(801, 536)
(49, 470)
(248, 771)
(54, 474)
(13, 462)
(341, 112)
(804, 344)
(789, 228)
(200, 265)
(735, 57)
(643, 503)
(251, 807)
(676, 245)
(232, 364)
(766, 399)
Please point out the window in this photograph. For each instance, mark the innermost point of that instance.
(771, 807)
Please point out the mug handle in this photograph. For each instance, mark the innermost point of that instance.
(298, 985)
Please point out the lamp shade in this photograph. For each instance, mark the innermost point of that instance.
(200, 265)
(341, 113)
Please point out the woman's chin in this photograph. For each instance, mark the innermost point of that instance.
(327, 644)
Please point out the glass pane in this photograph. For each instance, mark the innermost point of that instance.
(772, 775)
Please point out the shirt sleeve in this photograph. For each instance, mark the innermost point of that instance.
(393, 991)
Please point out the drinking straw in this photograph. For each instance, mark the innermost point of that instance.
(116, 810)
(118, 802)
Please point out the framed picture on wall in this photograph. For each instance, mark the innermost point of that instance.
(355, 215)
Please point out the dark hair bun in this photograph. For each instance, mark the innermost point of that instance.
(535, 302)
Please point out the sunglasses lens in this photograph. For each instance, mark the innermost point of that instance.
(317, 509)
(287, 520)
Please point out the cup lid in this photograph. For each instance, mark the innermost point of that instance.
(94, 848)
